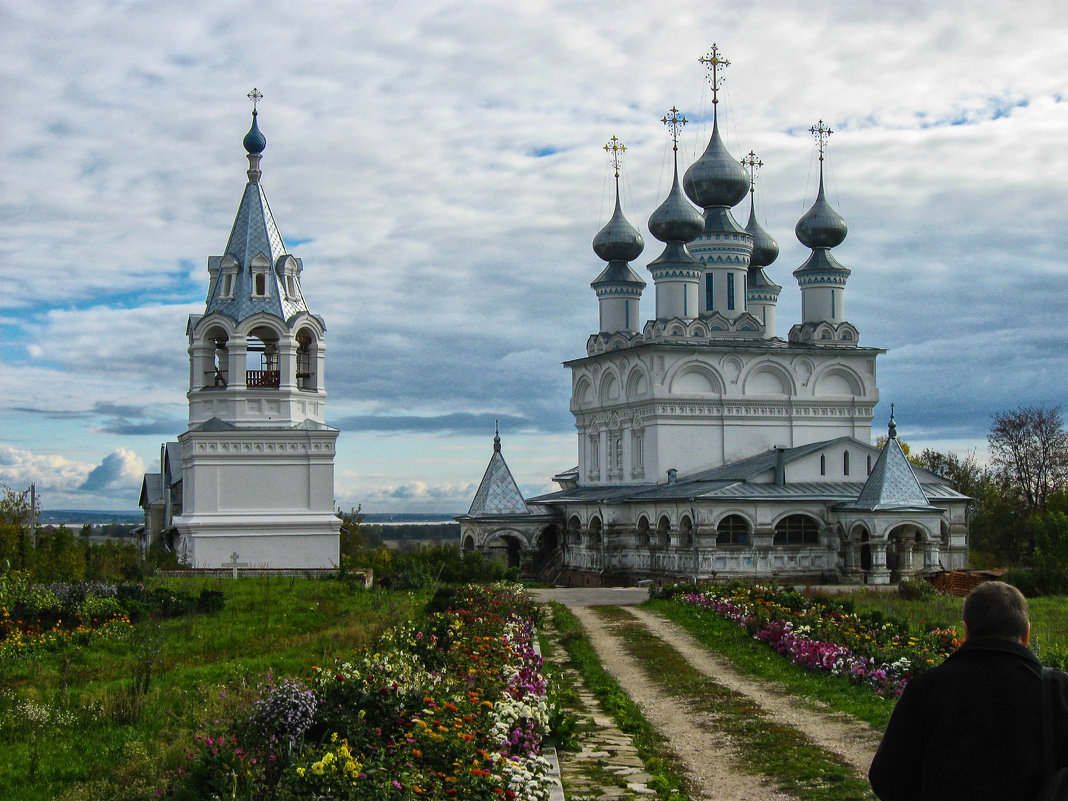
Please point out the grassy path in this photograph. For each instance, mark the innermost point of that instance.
(852, 740)
(733, 736)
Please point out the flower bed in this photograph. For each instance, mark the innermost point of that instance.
(454, 706)
(826, 635)
(43, 616)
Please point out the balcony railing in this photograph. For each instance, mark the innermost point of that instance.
(262, 379)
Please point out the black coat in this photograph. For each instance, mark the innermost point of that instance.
(971, 728)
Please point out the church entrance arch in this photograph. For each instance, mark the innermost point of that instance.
(506, 547)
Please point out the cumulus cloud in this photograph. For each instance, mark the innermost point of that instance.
(119, 470)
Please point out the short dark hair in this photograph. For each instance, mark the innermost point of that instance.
(996, 609)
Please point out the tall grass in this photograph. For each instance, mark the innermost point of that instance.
(108, 719)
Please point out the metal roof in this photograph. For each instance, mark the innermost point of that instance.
(498, 493)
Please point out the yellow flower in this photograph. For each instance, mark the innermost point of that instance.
(300, 772)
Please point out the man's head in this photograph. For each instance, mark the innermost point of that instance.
(996, 609)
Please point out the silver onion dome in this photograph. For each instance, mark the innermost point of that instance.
(765, 248)
(676, 220)
(716, 178)
(821, 226)
(618, 240)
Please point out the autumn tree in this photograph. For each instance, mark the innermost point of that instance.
(1029, 449)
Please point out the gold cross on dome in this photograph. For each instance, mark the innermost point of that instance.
(255, 96)
(713, 63)
(674, 121)
(752, 163)
(822, 133)
(615, 150)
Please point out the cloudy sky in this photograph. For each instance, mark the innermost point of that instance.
(438, 168)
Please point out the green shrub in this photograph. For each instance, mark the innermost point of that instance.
(915, 589)
(96, 606)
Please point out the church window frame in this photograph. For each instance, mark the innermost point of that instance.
(307, 360)
(642, 530)
(798, 530)
(732, 530)
(687, 538)
(663, 531)
(845, 463)
(730, 291)
(823, 464)
(710, 293)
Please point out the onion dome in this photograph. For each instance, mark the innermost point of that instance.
(676, 220)
(716, 178)
(254, 141)
(765, 248)
(821, 226)
(618, 240)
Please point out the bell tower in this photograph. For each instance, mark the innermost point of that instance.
(258, 458)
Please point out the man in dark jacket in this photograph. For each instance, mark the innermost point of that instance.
(971, 728)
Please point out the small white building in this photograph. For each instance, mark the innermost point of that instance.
(707, 445)
(257, 461)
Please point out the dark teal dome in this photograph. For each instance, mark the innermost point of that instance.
(716, 178)
(675, 220)
(821, 226)
(765, 248)
(254, 141)
(618, 240)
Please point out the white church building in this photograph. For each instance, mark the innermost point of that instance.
(708, 446)
(255, 484)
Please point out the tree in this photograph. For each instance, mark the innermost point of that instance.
(352, 541)
(1029, 447)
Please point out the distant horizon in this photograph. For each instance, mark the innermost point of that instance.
(369, 517)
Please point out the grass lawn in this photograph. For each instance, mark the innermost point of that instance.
(70, 717)
(1049, 615)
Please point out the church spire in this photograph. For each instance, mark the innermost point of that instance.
(675, 222)
(618, 287)
(761, 293)
(822, 278)
(716, 182)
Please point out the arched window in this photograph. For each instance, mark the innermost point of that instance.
(797, 530)
(594, 537)
(732, 530)
(307, 359)
(685, 532)
(574, 528)
(643, 530)
(845, 463)
(261, 359)
(663, 537)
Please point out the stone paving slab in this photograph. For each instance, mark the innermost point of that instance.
(607, 766)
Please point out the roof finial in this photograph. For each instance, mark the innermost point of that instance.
(615, 150)
(496, 437)
(893, 425)
(674, 121)
(821, 132)
(713, 63)
(752, 164)
(254, 141)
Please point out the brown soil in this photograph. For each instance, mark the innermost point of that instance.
(712, 762)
